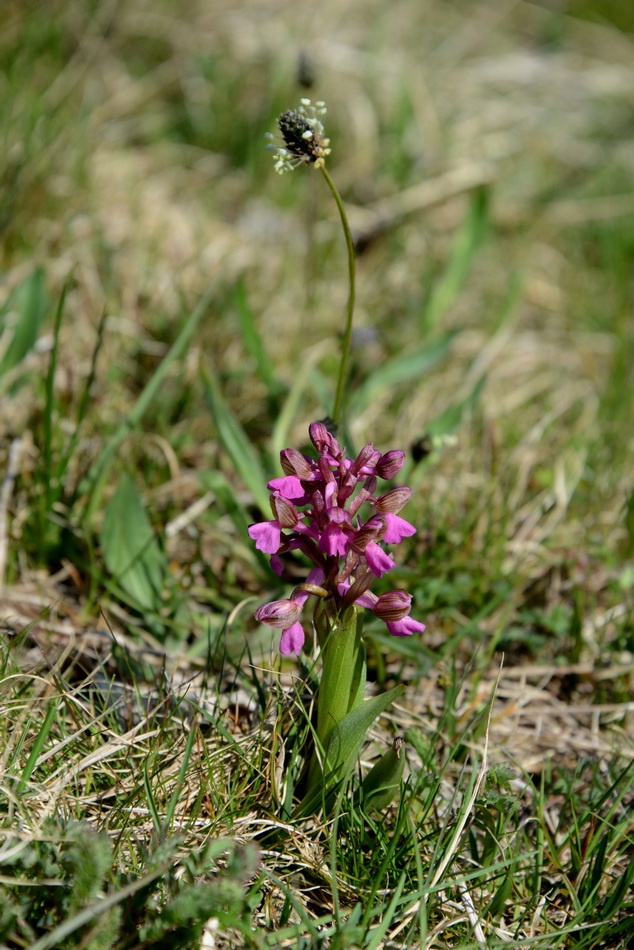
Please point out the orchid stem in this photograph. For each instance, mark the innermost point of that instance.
(345, 350)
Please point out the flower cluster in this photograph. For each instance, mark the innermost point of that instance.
(316, 506)
(304, 137)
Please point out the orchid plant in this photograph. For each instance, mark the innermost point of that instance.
(330, 509)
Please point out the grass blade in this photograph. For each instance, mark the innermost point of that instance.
(402, 369)
(252, 340)
(236, 443)
(92, 484)
(37, 747)
(468, 241)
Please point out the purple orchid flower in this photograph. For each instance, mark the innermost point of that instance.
(316, 506)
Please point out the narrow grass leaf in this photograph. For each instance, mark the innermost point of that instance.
(599, 862)
(93, 482)
(379, 932)
(180, 781)
(403, 369)
(628, 524)
(498, 901)
(49, 406)
(310, 925)
(84, 404)
(151, 802)
(236, 443)
(37, 747)
(617, 895)
(130, 549)
(468, 241)
(420, 877)
(252, 339)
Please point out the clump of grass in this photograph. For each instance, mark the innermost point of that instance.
(184, 835)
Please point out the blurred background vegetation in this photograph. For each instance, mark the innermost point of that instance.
(485, 152)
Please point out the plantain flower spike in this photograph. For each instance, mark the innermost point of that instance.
(305, 141)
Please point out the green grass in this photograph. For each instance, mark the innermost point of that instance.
(170, 318)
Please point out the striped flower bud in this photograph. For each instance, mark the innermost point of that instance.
(285, 511)
(365, 460)
(279, 613)
(369, 532)
(322, 438)
(390, 464)
(294, 463)
(392, 606)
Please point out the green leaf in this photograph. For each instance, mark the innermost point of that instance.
(31, 303)
(384, 779)
(340, 679)
(359, 679)
(36, 749)
(468, 241)
(130, 549)
(342, 751)
(502, 894)
(403, 369)
(348, 736)
(236, 443)
(252, 339)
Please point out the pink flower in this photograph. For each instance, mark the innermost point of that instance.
(336, 534)
(292, 639)
(378, 561)
(289, 486)
(318, 506)
(396, 529)
(405, 627)
(267, 536)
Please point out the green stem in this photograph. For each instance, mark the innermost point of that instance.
(343, 366)
(342, 685)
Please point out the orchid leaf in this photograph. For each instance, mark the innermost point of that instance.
(341, 674)
(348, 736)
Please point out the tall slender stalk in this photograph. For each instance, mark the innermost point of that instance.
(345, 351)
